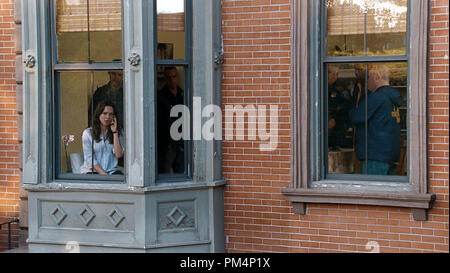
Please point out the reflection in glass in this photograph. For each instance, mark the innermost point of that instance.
(171, 29)
(171, 151)
(367, 119)
(368, 27)
(89, 31)
(75, 104)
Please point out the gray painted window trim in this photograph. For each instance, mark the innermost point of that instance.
(307, 185)
(140, 111)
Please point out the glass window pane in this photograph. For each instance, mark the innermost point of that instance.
(72, 31)
(367, 130)
(367, 27)
(105, 23)
(172, 148)
(77, 150)
(89, 30)
(345, 28)
(171, 29)
(341, 82)
(386, 27)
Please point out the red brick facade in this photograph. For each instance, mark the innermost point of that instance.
(9, 151)
(257, 70)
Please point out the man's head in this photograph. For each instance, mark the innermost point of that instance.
(378, 76)
(171, 75)
(116, 79)
(332, 74)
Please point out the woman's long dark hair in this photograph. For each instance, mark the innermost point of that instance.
(96, 124)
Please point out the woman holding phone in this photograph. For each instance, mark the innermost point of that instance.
(103, 143)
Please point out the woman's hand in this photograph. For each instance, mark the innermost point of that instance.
(100, 170)
(113, 125)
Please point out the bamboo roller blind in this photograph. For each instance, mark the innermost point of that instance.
(104, 15)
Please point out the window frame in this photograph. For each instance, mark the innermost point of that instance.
(307, 184)
(139, 65)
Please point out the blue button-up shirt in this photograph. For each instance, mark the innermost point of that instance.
(103, 153)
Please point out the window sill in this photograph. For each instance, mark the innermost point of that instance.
(419, 203)
(119, 187)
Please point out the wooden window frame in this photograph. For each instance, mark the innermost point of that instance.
(307, 186)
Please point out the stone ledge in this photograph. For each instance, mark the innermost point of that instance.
(419, 203)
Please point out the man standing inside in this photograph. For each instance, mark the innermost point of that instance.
(112, 91)
(382, 118)
(339, 102)
(170, 152)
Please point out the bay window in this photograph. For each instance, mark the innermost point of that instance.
(120, 57)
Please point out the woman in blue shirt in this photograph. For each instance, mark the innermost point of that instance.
(108, 144)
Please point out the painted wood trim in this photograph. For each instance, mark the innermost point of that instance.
(206, 85)
(139, 95)
(122, 188)
(46, 148)
(31, 90)
(300, 92)
(418, 90)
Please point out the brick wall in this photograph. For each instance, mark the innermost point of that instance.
(9, 151)
(257, 217)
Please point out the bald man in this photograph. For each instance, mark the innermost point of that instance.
(383, 124)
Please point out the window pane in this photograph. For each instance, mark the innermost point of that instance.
(75, 91)
(341, 82)
(368, 27)
(367, 130)
(105, 22)
(171, 29)
(386, 27)
(72, 31)
(345, 28)
(89, 30)
(172, 151)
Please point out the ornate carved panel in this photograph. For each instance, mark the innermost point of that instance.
(94, 216)
(58, 214)
(176, 215)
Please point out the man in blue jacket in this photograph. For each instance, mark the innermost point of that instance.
(383, 125)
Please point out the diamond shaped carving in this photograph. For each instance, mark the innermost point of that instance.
(115, 216)
(86, 215)
(176, 215)
(58, 215)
